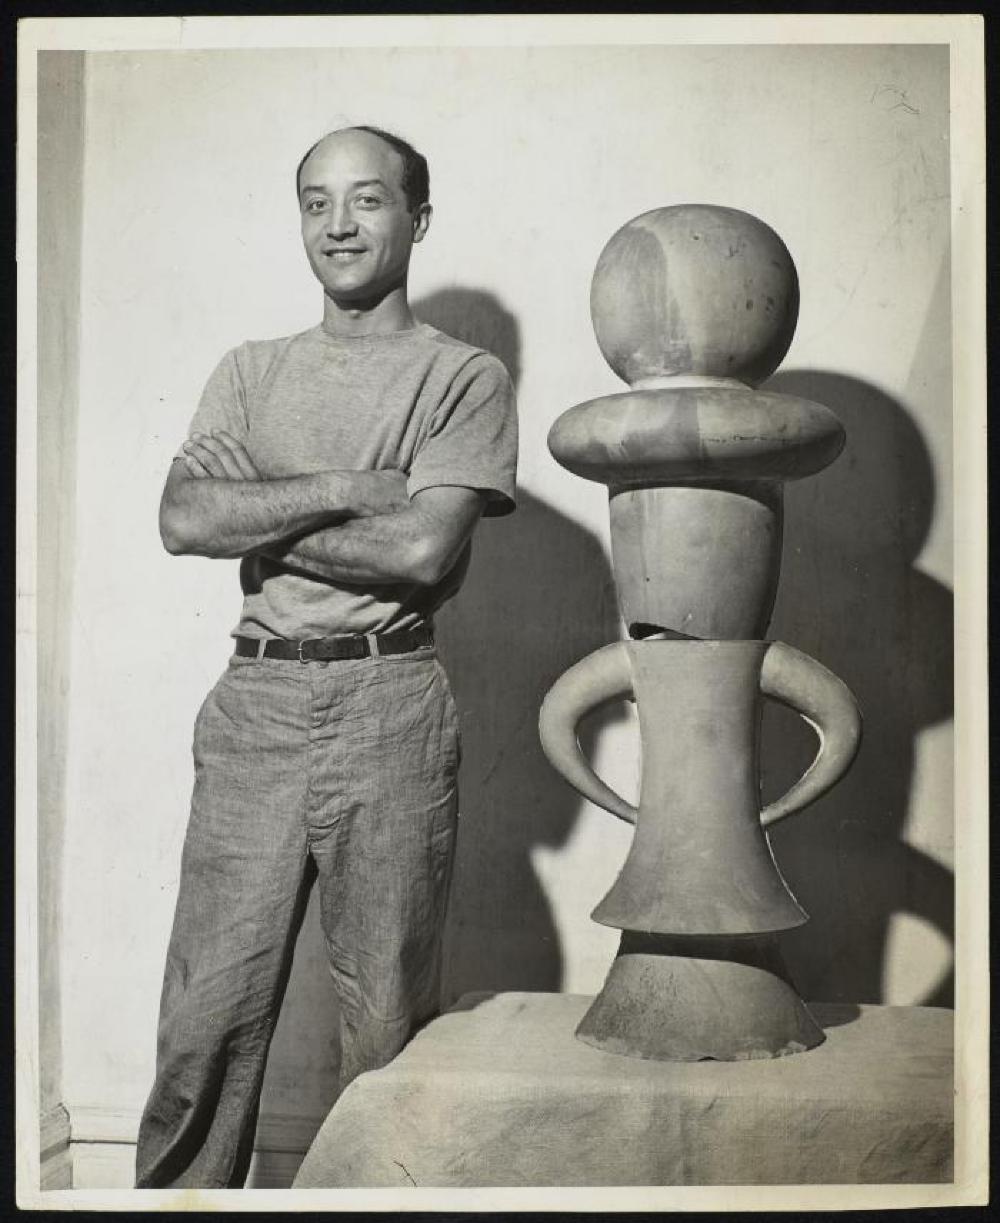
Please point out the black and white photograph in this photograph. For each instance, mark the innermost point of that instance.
(501, 613)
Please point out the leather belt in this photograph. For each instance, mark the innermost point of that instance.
(336, 649)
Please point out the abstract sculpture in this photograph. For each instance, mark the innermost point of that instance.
(694, 306)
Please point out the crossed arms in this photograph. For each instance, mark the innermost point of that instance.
(348, 526)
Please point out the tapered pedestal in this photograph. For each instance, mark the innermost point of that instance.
(700, 862)
(689, 1000)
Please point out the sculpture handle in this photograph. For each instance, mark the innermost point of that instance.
(598, 678)
(826, 703)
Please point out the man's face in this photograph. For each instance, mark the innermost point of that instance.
(356, 228)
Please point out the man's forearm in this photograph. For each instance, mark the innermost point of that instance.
(376, 550)
(229, 518)
(418, 544)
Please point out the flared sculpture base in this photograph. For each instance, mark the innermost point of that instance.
(691, 999)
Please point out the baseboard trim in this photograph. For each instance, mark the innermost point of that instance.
(102, 1144)
(275, 1131)
(55, 1163)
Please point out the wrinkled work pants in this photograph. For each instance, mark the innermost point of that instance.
(343, 772)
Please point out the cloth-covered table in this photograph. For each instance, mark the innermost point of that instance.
(498, 1091)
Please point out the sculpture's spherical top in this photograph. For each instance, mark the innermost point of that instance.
(694, 289)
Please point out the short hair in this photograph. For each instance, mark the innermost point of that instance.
(415, 178)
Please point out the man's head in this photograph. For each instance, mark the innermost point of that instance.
(415, 177)
(363, 198)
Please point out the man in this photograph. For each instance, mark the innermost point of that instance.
(347, 466)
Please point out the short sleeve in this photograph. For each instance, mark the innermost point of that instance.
(472, 439)
(223, 403)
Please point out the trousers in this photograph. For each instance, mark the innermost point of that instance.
(339, 774)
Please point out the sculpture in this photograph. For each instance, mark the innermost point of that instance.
(694, 306)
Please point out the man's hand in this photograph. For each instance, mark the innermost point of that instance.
(220, 456)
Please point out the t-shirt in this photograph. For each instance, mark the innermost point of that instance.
(415, 400)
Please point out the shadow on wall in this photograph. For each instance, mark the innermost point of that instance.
(851, 595)
(538, 597)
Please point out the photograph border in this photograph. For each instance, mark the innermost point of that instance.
(964, 34)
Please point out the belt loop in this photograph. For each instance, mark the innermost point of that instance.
(261, 647)
(372, 640)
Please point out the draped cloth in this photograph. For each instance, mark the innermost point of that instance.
(498, 1092)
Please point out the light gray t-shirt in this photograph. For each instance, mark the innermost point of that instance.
(416, 400)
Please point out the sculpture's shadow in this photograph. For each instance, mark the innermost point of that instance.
(538, 597)
(851, 595)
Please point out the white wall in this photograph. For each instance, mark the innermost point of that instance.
(190, 245)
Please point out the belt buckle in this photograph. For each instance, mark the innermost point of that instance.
(298, 649)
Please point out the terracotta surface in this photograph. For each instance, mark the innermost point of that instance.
(694, 289)
(693, 432)
(693, 306)
(699, 561)
(700, 862)
(691, 1000)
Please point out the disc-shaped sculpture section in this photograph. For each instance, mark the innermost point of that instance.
(694, 289)
(700, 433)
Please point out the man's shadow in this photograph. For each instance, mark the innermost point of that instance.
(538, 597)
(852, 596)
